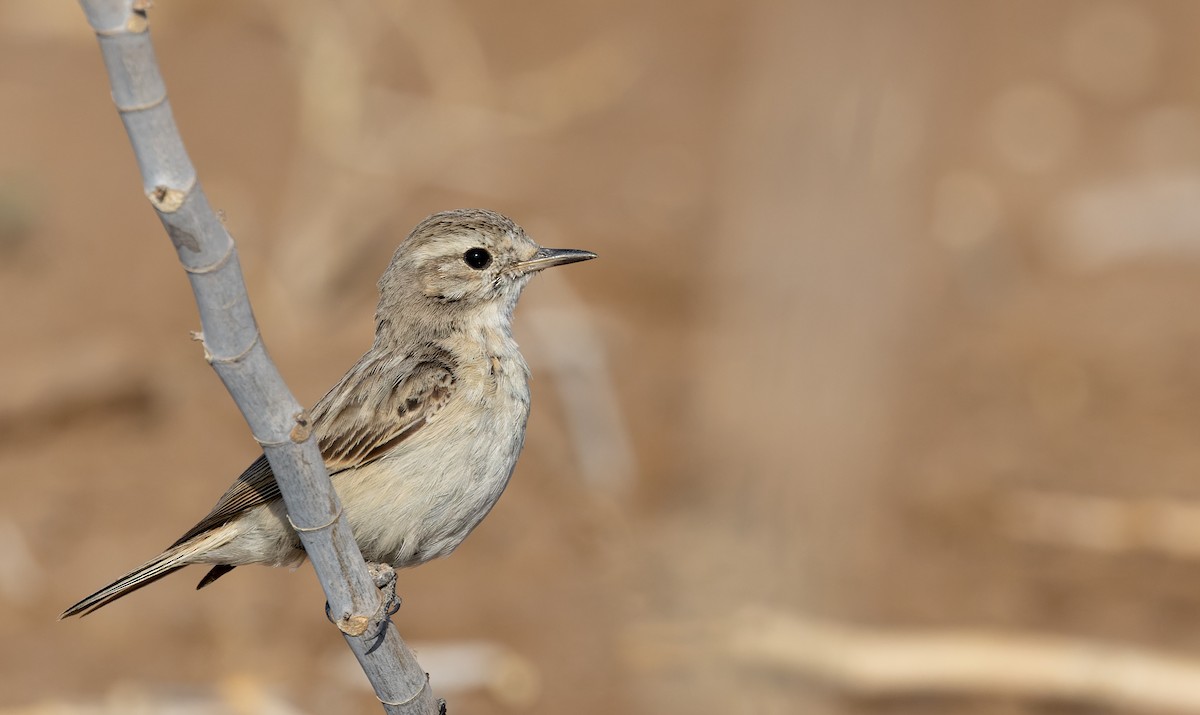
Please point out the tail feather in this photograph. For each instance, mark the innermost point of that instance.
(165, 563)
(143, 575)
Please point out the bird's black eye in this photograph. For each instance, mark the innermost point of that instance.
(477, 258)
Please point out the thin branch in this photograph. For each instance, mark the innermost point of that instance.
(235, 349)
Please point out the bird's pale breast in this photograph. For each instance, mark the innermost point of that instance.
(421, 501)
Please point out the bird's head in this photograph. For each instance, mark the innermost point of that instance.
(464, 260)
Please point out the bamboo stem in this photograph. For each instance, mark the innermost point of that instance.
(234, 347)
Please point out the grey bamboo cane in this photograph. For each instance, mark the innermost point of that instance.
(234, 347)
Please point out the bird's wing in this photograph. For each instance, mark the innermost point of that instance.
(361, 419)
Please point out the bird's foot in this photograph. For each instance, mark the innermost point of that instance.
(384, 577)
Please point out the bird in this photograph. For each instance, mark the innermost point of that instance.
(421, 435)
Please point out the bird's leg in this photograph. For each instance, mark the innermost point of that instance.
(384, 577)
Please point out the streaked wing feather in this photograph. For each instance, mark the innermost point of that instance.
(357, 426)
(255, 486)
(356, 423)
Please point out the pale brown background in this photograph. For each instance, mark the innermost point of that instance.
(879, 282)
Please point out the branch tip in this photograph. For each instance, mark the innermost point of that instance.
(137, 23)
(302, 428)
(166, 199)
(353, 625)
(198, 336)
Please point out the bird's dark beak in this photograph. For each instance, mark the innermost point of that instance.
(547, 257)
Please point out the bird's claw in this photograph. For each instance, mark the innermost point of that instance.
(384, 577)
(382, 574)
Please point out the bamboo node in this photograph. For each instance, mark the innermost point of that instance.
(194, 246)
(414, 696)
(228, 360)
(308, 529)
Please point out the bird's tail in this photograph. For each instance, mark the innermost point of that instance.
(167, 562)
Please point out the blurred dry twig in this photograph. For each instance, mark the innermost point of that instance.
(569, 341)
(1166, 526)
(891, 662)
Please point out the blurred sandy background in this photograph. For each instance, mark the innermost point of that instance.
(893, 331)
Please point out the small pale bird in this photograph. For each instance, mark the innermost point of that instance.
(421, 436)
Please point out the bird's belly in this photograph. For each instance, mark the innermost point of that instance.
(422, 501)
